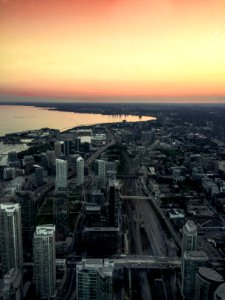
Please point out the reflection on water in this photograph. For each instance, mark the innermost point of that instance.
(20, 118)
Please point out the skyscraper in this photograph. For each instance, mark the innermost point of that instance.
(101, 170)
(112, 205)
(80, 170)
(94, 280)
(61, 175)
(28, 218)
(206, 282)
(189, 237)
(192, 260)
(44, 260)
(39, 175)
(11, 237)
(58, 148)
(61, 213)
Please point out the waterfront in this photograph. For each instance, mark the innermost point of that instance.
(21, 118)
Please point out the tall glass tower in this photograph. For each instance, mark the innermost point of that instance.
(11, 237)
(44, 260)
(61, 175)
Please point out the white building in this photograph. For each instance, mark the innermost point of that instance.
(11, 237)
(61, 175)
(45, 261)
(80, 170)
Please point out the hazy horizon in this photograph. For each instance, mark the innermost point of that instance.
(133, 100)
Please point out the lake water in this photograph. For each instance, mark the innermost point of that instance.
(21, 118)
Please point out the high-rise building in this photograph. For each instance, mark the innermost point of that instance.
(12, 159)
(12, 156)
(80, 170)
(112, 204)
(101, 170)
(94, 280)
(206, 282)
(77, 144)
(58, 149)
(61, 175)
(44, 261)
(39, 175)
(12, 288)
(61, 213)
(220, 292)
(50, 157)
(67, 147)
(192, 260)
(11, 237)
(28, 218)
(189, 237)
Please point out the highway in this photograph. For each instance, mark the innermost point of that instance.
(141, 215)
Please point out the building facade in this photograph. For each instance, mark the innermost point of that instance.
(80, 170)
(61, 175)
(11, 237)
(94, 280)
(44, 261)
(192, 260)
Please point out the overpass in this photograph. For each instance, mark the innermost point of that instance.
(141, 262)
(125, 197)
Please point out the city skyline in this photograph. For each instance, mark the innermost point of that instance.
(119, 50)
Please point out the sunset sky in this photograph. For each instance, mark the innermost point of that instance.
(72, 48)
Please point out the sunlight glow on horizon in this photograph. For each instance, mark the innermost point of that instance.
(117, 48)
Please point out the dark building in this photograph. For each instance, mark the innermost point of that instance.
(77, 144)
(67, 147)
(112, 199)
(206, 282)
(101, 241)
(12, 159)
(12, 288)
(39, 176)
(28, 218)
(61, 213)
(113, 205)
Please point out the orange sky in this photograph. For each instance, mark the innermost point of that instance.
(112, 47)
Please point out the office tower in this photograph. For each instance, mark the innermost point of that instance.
(9, 173)
(61, 213)
(101, 170)
(12, 159)
(51, 158)
(12, 288)
(101, 241)
(77, 144)
(220, 292)
(112, 204)
(192, 260)
(61, 175)
(58, 149)
(94, 280)
(80, 170)
(11, 237)
(39, 175)
(189, 237)
(206, 282)
(67, 147)
(28, 218)
(44, 261)
(12, 156)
